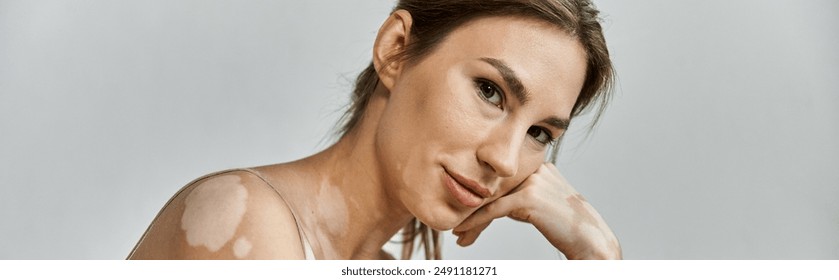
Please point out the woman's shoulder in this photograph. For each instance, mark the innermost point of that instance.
(234, 214)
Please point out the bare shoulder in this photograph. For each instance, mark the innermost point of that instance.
(230, 215)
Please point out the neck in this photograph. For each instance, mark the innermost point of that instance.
(355, 214)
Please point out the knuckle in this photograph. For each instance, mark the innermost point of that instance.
(521, 215)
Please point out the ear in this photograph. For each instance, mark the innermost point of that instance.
(392, 39)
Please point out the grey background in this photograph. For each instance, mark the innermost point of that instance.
(721, 141)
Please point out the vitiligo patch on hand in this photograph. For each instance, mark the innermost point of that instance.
(213, 211)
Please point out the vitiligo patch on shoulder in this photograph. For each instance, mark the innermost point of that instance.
(213, 212)
(242, 247)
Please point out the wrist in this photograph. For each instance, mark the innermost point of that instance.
(607, 251)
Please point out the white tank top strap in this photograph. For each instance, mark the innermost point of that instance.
(307, 249)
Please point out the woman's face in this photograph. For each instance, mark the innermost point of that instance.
(469, 122)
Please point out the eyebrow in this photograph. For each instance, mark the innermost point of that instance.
(519, 91)
(509, 76)
(558, 123)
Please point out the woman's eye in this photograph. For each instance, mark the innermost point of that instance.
(489, 92)
(540, 134)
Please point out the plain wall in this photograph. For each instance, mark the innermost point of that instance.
(720, 141)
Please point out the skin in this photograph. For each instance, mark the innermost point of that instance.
(225, 191)
(451, 112)
(192, 227)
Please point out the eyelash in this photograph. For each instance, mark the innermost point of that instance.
(480, 85)
(550, 139)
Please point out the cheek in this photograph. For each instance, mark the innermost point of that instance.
(527, 167)
(534, 160)
(441, 109)
(415, 127)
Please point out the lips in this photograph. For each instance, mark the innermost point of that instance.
(467, 192)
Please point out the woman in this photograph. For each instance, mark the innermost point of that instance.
(448, 129)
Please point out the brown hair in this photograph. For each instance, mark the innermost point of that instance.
(433, 20)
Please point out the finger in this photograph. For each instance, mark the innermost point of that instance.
(468, 237)
(496, 209)
(465, 232)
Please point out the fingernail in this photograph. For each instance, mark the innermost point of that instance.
(468, 242)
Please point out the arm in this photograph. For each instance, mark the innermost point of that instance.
(232, 215)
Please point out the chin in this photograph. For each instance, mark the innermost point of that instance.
(440, 226)
(441, 217)
(431, 204)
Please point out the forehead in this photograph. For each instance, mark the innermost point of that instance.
(550, 63)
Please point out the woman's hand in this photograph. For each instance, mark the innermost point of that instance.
(546, 200)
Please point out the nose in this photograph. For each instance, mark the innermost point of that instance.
(500, 151)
